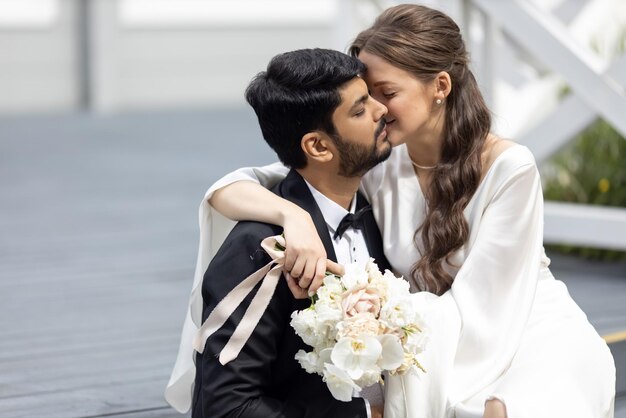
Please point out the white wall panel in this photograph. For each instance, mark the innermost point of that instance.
(38, 52)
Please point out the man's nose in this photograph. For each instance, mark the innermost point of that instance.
(381, 111)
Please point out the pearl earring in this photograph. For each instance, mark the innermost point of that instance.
(438, 101)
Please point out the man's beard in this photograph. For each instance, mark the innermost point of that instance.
(357, 159)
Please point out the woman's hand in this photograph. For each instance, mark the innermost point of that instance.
(494, 408)
(377, 411)
(305, 255)
(300, 293)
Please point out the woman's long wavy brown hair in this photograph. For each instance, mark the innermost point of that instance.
(424, 42)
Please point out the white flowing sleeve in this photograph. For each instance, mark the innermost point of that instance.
(214, 227)
(495, 287)
(476, 326)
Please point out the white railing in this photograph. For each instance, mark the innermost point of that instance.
(532, 113)
(28, 14)
(598, 90)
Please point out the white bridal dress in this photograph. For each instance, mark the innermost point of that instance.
(506, 329)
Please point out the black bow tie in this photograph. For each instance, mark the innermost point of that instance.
(352, 220)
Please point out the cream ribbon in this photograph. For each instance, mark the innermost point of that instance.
(269, 274)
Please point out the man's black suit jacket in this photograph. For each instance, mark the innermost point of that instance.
(265, 380)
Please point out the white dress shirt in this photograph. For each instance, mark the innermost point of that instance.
(349, 248)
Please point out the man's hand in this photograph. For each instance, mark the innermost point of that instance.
(303, 293)
(331, 267)
(305, 255)
(296, 290)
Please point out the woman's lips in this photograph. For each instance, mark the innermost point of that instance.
(382, 135)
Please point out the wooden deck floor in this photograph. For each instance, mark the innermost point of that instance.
(98, 234)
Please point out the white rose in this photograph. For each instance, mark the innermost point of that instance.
(354, 276)
(369, 377)
(396, 285)
(333, 284)
(328, 314)
(397, 312)
(310, 362)
(372, 269)
(305, 325)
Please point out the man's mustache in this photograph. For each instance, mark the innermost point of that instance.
(380, 128)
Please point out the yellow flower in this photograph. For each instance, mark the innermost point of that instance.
(604, 185)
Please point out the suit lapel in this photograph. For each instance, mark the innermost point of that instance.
(372, 235)
(294, 188)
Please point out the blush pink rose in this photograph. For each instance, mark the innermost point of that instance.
(359, 325)
(362, 299)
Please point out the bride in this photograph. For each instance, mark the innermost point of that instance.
(461, 215)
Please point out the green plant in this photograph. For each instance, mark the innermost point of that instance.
(591, 170)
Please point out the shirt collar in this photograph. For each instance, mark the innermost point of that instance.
(331, 211)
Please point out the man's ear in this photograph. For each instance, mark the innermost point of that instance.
(317, 146)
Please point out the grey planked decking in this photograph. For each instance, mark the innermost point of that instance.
(98, 235)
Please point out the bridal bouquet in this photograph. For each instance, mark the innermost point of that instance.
(359, 325)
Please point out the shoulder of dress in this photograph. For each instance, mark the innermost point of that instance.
(512, 160)
(512, 164)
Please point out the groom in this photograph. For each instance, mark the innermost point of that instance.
(315, 112)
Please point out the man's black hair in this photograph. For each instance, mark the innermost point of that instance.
(297, 94)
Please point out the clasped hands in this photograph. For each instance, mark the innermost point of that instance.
(305, 270)
(306, 264)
